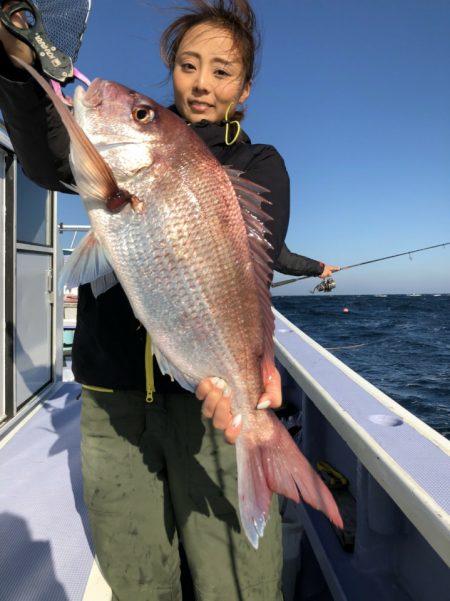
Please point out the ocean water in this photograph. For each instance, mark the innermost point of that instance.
(399, 343)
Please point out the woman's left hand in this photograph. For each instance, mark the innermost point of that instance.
(216, 397)
(328, 270)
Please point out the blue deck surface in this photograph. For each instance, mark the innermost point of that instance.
(45, 551)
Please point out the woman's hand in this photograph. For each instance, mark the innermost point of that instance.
(216, 397)
(12, 45)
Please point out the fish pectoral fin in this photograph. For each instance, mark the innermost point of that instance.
(103, 283)
(168, 368)
(88, 264)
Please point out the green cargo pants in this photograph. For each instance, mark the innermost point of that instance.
(157, 472)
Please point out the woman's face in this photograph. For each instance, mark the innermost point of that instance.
(208, 74)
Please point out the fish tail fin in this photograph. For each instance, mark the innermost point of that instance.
(276, 464)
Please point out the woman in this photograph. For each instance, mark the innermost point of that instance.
(158, 472)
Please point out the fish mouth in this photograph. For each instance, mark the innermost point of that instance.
(91, 97)
(85, 101)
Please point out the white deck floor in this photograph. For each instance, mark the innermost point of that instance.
(40, 503)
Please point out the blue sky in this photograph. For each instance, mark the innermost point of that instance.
(355, 95)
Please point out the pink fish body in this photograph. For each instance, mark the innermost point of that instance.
(185, 238)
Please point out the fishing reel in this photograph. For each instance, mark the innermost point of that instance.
(326, 286)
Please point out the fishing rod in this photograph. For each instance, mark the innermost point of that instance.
(329, 284)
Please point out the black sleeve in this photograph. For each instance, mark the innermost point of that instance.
(267, 169)
(37, 134)
(293, 264)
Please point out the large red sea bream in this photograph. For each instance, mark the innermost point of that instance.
(185, 238)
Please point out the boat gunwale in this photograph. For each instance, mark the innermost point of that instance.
(427, 515)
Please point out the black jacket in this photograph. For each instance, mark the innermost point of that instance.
(108, 348)
(292, 264)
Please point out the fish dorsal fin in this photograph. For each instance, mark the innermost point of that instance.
(255, 218)
(88, 264)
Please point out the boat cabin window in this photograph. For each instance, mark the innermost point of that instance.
(33, 212)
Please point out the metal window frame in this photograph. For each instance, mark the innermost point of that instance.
(11, 415)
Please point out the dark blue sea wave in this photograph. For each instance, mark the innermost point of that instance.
(399, 343)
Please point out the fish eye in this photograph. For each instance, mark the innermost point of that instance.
(143, 114)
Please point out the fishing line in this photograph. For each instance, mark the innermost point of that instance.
(329, 284)
(339, 348)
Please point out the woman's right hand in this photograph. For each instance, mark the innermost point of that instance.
(12, 45)
(216, 397)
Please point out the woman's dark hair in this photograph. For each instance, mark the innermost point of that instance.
(235, 15)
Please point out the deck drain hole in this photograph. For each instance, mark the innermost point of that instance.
(385, 420)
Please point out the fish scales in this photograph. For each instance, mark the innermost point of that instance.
(185, 281)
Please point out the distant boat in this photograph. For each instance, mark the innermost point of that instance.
(380, 295)
(414, 294)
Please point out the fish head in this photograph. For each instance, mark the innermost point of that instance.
(118, 140)
(126, 128)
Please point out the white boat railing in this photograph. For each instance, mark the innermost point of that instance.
(398, 466)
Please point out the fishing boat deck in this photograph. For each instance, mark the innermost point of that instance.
(49, 552)
(395, 464)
